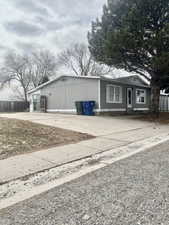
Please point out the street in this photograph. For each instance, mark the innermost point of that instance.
(131, 191)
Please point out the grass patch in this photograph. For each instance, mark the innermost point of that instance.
(19, 137)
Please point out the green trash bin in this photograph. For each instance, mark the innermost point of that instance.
(79, 108)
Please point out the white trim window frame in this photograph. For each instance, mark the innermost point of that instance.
(36, 97)
(141, 95)
(112, 95)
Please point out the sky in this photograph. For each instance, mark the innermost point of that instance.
(52, 24)
(28, 25)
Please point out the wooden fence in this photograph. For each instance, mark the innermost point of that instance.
(164, 103)
(19, 106)
(13, 106)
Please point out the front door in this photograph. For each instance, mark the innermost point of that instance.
(129, 98)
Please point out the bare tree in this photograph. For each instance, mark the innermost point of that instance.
(17, 93)
(43, 66)
(16, 68)
(79, 60)
(28, 71)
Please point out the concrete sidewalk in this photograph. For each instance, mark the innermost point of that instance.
(133, 191)
(23, 165)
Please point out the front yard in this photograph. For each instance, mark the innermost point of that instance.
(19, 137)
(162, 119)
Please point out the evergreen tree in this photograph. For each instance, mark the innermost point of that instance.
(134, 35)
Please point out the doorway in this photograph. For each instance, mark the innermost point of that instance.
(129, 99)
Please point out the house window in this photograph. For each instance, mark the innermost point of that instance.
(113, 94)
(140, 96)
(35, 97)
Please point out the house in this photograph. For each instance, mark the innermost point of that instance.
(121, 95)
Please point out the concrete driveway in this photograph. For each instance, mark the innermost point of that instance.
(116, 127)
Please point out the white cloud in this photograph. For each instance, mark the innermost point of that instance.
(23, 29)
(51, 24)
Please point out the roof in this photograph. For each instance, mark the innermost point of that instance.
(130, 80)
(133, 80)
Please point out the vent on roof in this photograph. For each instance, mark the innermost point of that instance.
(63, 79)
(134, 78)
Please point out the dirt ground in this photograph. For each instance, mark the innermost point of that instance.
(19, 137)
(163, 118)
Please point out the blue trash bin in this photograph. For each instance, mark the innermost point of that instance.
(88, 108)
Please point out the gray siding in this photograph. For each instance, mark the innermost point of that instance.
(123, 105)
(62, 94)
(103, 103)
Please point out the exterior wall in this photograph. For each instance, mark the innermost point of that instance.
(62, 94)
(122, 107)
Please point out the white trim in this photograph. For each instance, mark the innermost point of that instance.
(99, 94)
(107, 94)
(110, 110)
(95, 110)
(31, 107)
(62, 110)
(145, 96)
(141, 109)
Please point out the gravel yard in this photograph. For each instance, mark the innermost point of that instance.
(19, 137)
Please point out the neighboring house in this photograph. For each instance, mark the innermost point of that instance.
(121, 95)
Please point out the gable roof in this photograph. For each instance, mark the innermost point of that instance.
(134, 80)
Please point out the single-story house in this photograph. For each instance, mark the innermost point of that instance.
(121, 95)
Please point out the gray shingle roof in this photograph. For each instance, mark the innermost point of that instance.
(131, 80)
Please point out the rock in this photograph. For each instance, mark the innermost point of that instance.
(86, 217)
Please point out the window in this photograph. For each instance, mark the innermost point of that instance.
(113, 94)
(140, 96)
(36, 97)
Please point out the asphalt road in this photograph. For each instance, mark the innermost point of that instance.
(133, 191)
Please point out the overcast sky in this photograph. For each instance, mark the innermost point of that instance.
(27, 25)
(51, 24)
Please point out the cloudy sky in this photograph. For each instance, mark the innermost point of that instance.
(27, 25)
(51, 24)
